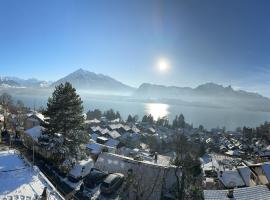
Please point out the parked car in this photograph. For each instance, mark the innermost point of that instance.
(112, 183)
(94, 178)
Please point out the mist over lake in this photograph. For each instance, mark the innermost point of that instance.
(209, 117)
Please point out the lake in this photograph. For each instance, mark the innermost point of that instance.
(207, 116)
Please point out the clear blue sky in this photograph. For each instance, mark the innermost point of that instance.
(223, 41)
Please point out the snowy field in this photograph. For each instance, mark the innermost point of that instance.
(19, 180)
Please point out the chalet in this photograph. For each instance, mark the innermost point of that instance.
(30, 136)
(33, 119)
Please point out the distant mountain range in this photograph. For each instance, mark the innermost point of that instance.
(206, 94)
(147, 90)
(19, 82)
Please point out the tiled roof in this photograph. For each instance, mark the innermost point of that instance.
(259, 192)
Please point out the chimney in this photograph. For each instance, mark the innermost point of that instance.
(44, 195)
(230, 193)
(220, 173)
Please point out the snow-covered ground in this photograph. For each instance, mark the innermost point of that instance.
(19, 180)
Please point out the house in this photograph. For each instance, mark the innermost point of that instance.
(143, 178)
(30, 136)
(33, 119)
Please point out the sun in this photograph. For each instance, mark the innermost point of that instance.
(163, 65)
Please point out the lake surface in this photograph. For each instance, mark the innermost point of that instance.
(207, 116)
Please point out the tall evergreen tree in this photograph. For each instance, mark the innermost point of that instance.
(64, 122)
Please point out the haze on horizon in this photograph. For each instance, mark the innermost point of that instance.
(226, 42)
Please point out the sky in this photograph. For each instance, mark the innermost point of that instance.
(221, 41)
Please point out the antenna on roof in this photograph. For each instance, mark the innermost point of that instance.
(34, 105)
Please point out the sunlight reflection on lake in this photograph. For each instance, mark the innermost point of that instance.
(157, 109)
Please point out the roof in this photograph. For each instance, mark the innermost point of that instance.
(94, 147)
(266, 170)
(259, 192)
(232, 152)
(112, 142)
(94, 136)
(114, 134)
(35, 132)
(115, 126)
(19, 179)
(110, 178)
(231, 178)
(152, 129)
(93, 121)
(245, 173)
(104, 139)
(76, 171)
(37, 115)
(153, 178)
(104, 131)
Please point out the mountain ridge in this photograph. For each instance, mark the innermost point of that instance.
(83, 79)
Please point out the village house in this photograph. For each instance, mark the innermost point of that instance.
(33, 119)
(145, 180)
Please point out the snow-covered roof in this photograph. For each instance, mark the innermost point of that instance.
(96, 128)
(19, 180)
(114, 134)
(115, 120)
(93, 121)
(35, 132)
(36, 114)
(104, 131)
(97, 148)
(115, 126)
(82, 168)
(152, 129)
(250, 193)
(232, 153)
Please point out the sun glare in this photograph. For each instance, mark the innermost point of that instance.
(163, 65)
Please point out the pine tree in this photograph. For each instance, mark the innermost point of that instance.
(129, 119)
(64, 122)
